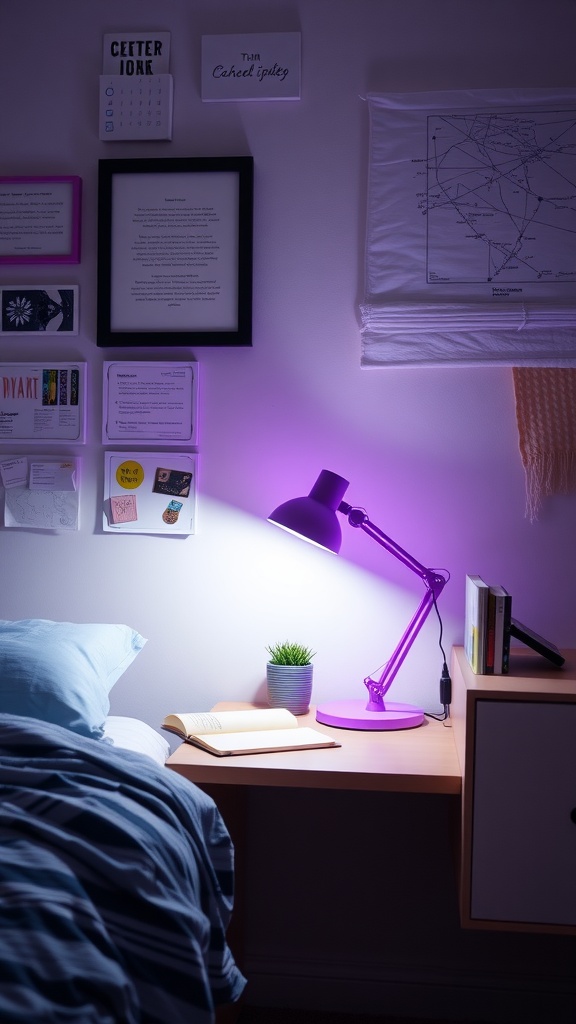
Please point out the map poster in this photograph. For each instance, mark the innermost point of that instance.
(471, 227)
(43, 403)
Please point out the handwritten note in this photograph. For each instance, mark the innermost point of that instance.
(14, 472)
(261, 66)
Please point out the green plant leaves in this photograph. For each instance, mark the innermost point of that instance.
(288, 653)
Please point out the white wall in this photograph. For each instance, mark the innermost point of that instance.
(432, 454)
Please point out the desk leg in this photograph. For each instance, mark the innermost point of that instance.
(232, 802)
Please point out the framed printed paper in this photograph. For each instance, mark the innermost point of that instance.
(40, 219)
(175, 252)
(44, 403)
(31, 309)
(150, 492)
(154, 403)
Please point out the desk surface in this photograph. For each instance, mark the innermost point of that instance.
(420, 760)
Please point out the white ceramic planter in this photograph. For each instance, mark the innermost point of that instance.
(289, 686)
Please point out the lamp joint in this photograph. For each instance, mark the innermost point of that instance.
(356, 516)
(434, 582)
(375, 698)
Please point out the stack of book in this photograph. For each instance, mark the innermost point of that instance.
(489, 628)
(488, 619)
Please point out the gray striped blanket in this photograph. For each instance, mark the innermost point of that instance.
(116, 886)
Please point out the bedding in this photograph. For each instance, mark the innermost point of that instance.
(63, 672)
(132, 734)
(116, 885)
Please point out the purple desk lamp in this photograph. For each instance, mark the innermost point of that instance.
(314, 519)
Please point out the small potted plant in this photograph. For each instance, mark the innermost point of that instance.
(289, 676)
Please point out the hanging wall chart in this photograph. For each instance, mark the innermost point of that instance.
(471, 229)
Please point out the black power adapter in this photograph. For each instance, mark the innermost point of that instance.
(445, 687)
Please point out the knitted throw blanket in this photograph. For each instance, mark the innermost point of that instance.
(546, 417)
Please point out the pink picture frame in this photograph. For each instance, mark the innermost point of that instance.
(40, 219)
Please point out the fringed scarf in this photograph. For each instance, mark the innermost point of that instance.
(546, 417)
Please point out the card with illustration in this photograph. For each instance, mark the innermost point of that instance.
(173, 481)
(27, 309)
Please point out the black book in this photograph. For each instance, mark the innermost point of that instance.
(536, 642)
(501, 603)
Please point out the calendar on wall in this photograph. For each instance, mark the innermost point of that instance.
(135, 107)
(136, 88)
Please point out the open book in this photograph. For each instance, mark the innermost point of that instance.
(260, 730)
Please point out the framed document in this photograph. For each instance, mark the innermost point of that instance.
(175, 252)
(151, 403)
(42, 402)
(40, 219)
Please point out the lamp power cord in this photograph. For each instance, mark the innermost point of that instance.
(445, 679)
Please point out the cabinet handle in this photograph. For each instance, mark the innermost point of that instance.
(573, 815)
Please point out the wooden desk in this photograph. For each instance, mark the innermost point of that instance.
(421, 760)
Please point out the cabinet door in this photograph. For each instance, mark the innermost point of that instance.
(524, 818)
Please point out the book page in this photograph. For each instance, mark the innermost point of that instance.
(208, 722)
(274, 739)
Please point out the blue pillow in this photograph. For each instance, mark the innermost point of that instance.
(63, 672)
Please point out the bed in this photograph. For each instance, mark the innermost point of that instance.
(116, 875)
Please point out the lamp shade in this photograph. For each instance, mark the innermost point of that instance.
(314, 517)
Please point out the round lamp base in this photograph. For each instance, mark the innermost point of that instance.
(352, 714)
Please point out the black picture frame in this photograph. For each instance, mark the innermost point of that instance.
(175, 252)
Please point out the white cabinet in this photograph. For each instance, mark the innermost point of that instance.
(516, 741)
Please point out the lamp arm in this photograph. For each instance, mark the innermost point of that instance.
(434, 583)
